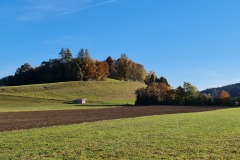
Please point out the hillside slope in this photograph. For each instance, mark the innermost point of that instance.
(96, 92)
(233, 89)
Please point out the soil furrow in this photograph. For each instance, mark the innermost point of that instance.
(27, 120)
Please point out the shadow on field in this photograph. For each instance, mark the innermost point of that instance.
(96, 105)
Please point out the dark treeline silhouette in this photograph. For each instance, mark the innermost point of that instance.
(81, 68)
(159, 92)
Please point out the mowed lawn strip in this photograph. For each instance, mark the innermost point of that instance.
(28, 120)
(203, 135)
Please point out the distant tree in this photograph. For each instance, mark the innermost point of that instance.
(91, 71)
(7, 81)
(110, 61)
(85, 60)
(24, 68)
(84, 55)
(163, 87)
(153, 94)
(102, 70)
(25, 75)
(65, 55)
(125, 69)
(189, 88)
(124, 56)
(188, 95)
(111, 66)
(77, 70)
(232, 89)
(223, 94)
(204, 100)
(50, 71)
(180, 95)
(151, 77)
(122, 68)
(191, 93)
(140, 72)
(62, 53)
(224, 99)
(163, 80)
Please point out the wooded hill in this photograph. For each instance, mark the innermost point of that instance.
(233, 90)
(81, 68)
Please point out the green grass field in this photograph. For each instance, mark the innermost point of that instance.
(52, 96)
(206, 135)
(95, 91)
(16, 104)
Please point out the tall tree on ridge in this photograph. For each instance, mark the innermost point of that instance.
(25, 75)
(111, 65)
(85, 60)
(65, 55)
(24, 68)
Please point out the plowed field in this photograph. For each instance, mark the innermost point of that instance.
(28, 120)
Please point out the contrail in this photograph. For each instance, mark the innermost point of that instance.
(84, 8)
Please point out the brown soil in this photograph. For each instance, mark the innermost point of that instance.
(28, 120)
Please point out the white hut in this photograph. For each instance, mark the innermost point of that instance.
(80, 101)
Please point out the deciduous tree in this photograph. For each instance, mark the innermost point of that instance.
(223, 94)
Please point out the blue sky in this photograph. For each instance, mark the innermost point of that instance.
(183, 40)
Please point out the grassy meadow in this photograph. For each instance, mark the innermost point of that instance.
(55, 95)
(16, 104)
(205, 135)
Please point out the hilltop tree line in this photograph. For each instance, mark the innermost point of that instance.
(233, 90)
(159, 92)
(80, 68)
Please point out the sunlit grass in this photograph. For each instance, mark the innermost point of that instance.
(96, 92)
(15, 104)
(206, 135)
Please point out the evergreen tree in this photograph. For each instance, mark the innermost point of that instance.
(85, 63)
(152, 78)
(124, 56)
(163, 80)
(84, 55)
(65, 55)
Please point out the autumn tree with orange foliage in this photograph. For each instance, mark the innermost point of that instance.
(102, 70)
(187, 95)
(223, 94)
(125, 69)
(91, 71)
